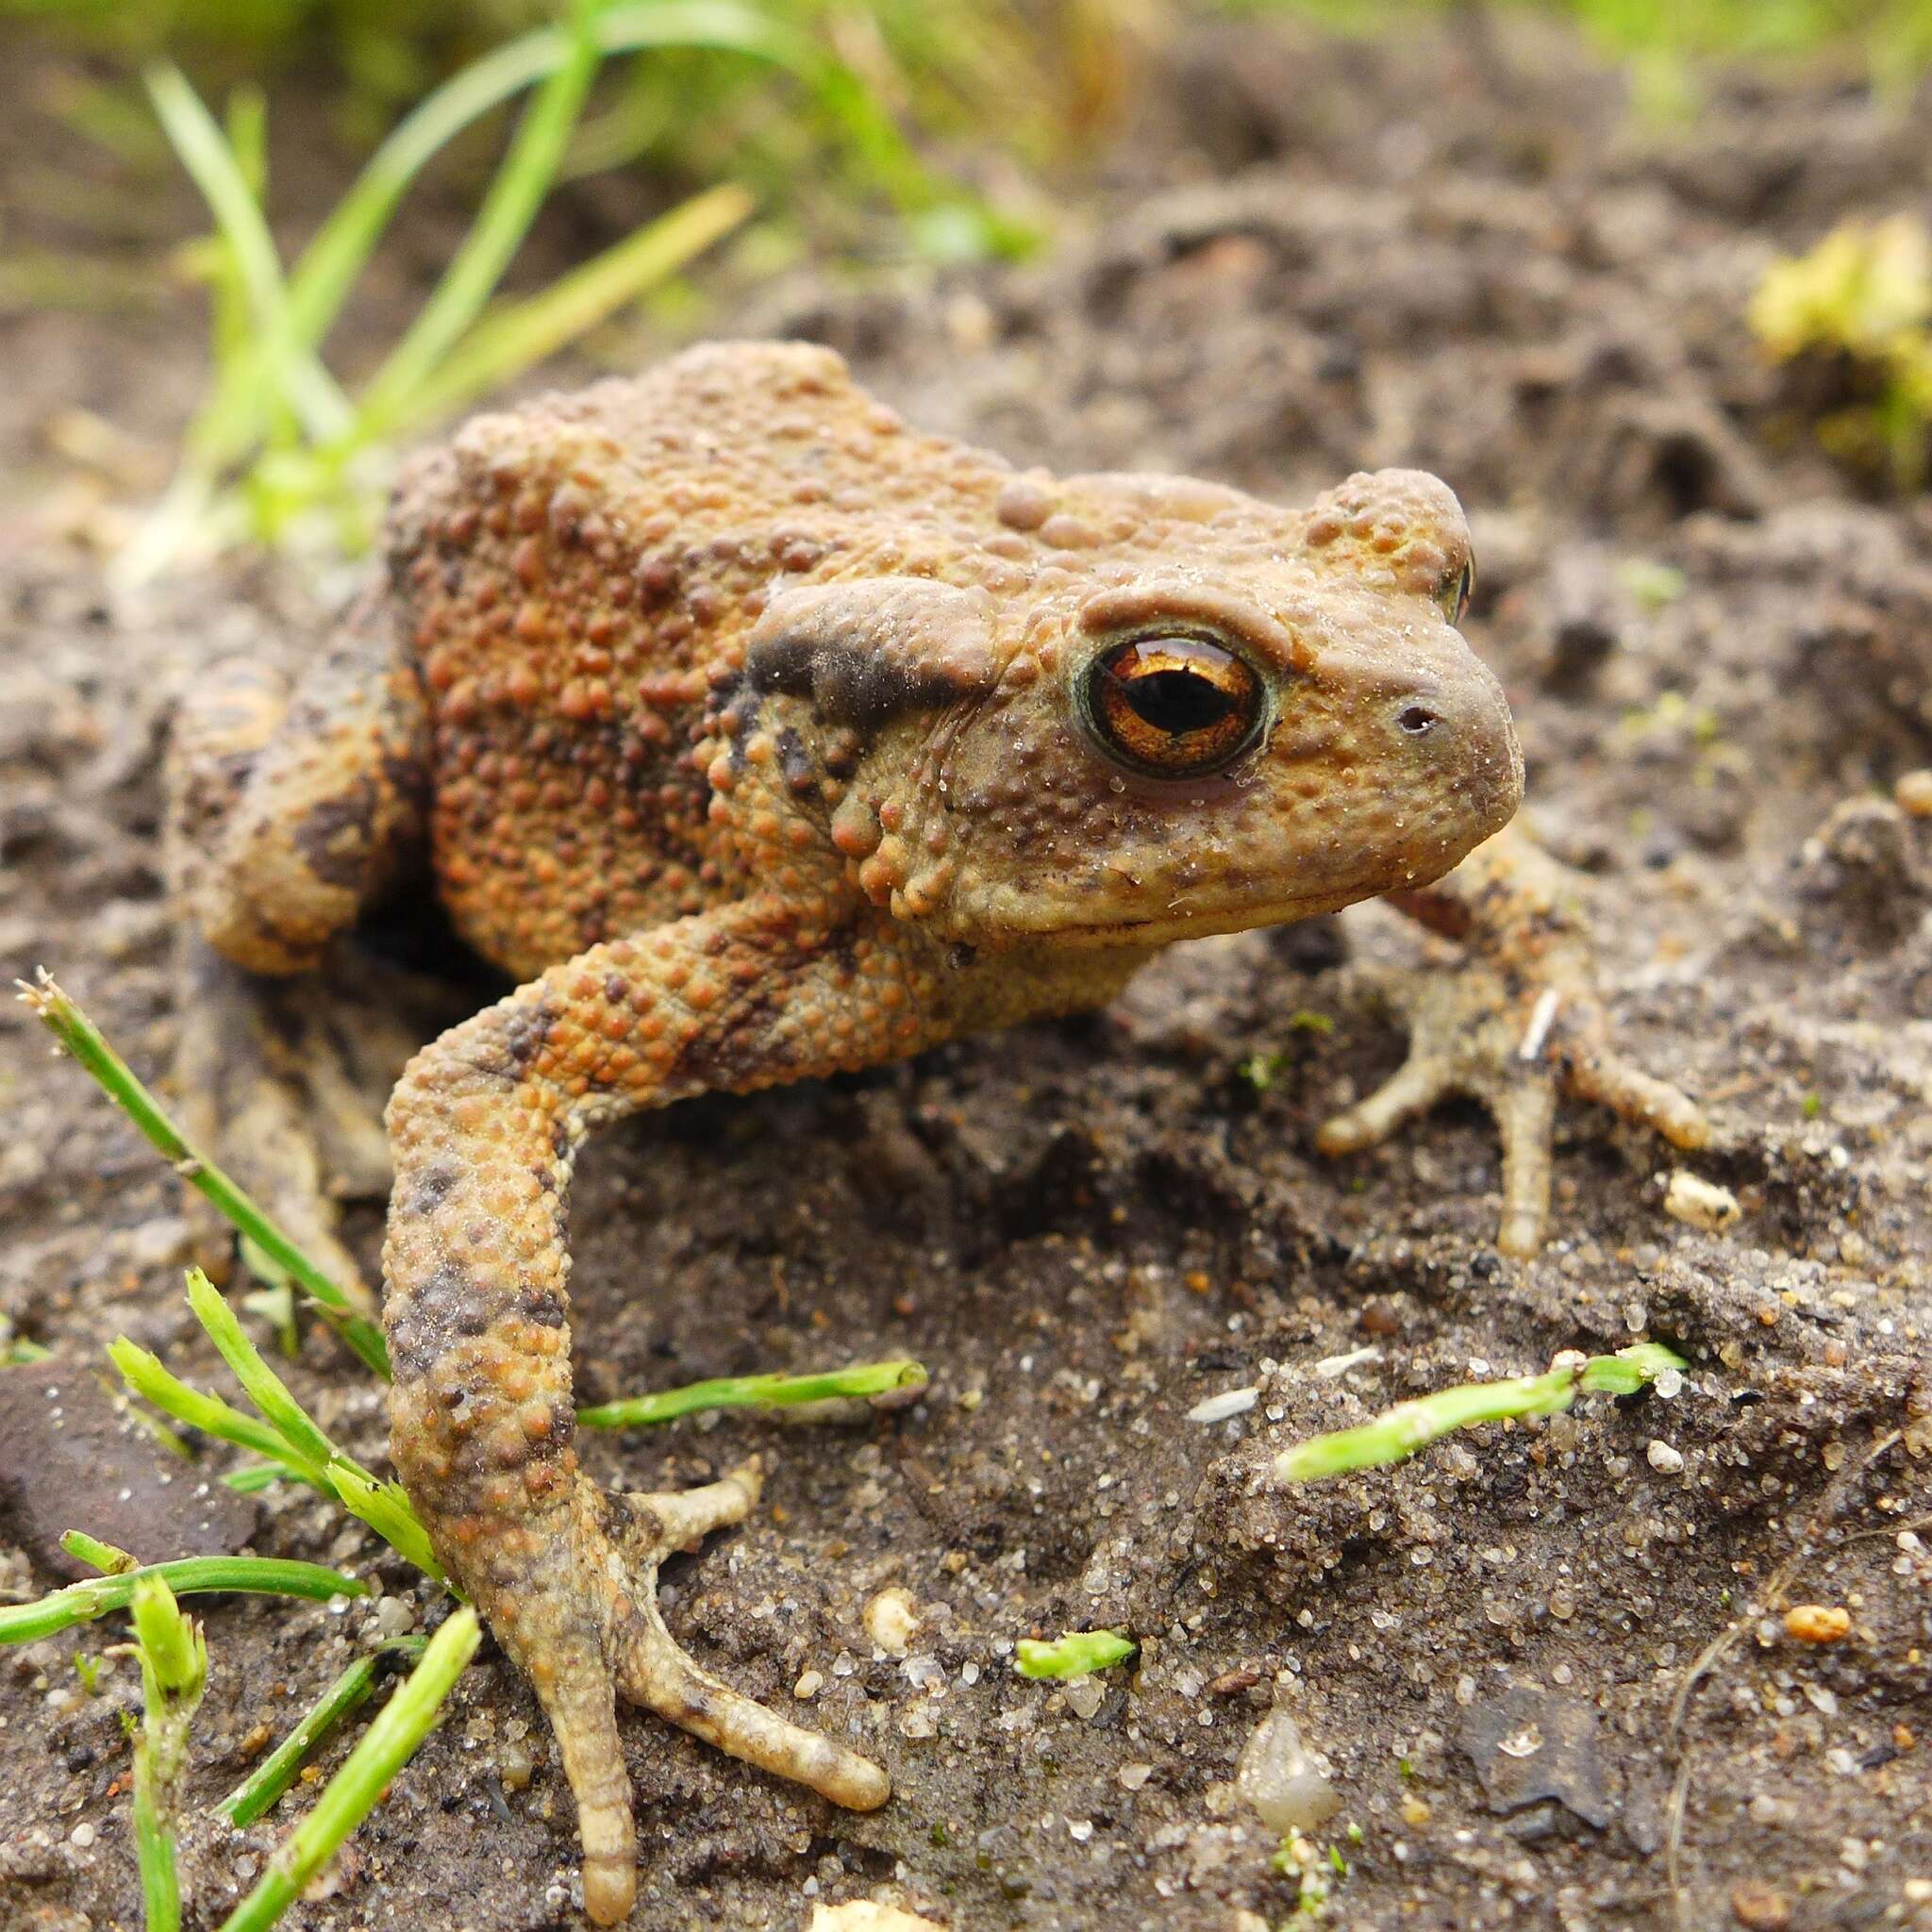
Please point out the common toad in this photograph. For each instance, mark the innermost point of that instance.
(757, 736)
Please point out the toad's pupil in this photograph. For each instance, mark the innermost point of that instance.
(1176, 707)
(1178, 701)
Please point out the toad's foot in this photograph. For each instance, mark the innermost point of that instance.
(587, 1630)
(1517, 1019)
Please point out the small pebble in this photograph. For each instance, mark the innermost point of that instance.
(1132, 1776)
(1763, 1908)
(1663, 1458)
(1818, 1623)
(394, 1617)
(82, 1835)
(1085, 1695)
(1699, 1203)
(1282, 1784)
(516, 1764)
(1913, 794)
(1218, 1409)
(808, 1686)
(867, 1915)
(891, 1621)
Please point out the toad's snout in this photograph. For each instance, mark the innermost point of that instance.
(1453, 729)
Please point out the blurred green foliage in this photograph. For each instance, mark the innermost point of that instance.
(1029, 75)
(1894, 36)
(1863, 297)
(282, 451)
(1039, 74)
(833, 127)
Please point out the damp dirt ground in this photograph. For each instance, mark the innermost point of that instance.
(1301, 259)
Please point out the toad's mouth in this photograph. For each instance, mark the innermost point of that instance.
(1181, 921)
(1115, 906)
(1197, 913)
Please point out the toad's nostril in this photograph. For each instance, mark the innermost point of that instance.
(1417, 719)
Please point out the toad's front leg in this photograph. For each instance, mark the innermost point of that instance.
(1519, 1017)
(484, 1129)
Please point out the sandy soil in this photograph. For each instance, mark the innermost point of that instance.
(1307, 258)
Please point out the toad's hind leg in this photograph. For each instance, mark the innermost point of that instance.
(285, 815)
(485, 1128)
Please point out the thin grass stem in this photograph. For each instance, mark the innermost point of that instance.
(172, 1655)
(502, 346)
(756, 1391)
(81, 1603)
(515, 194)
(220, 173)
(1398, 1433)
(385, 1746)
(81, 1038)
(264, 1787)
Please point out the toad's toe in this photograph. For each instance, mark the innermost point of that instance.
(654, 1671)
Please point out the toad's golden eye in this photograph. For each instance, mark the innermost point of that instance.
(1454, 596)
(1175, 706)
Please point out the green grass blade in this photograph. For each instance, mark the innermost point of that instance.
(264, 1787)
(521, 182)
(301, 1441)
(385, 1507)
(1077, 1654)
(174, 1673)
(329, 267)
(82, 1040)
(171, 1647)
(155, 1854)
(144, 1375)
(1398, 1433)
(81, 1603)
(385, 1746)
(108, 1559)
(382, 1505)
(274, 415)
(210, 160)
(502, 347)
(756, 1391)
(253, 1477)
(1629, 1368)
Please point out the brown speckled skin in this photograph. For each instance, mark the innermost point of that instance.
(743, 724)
